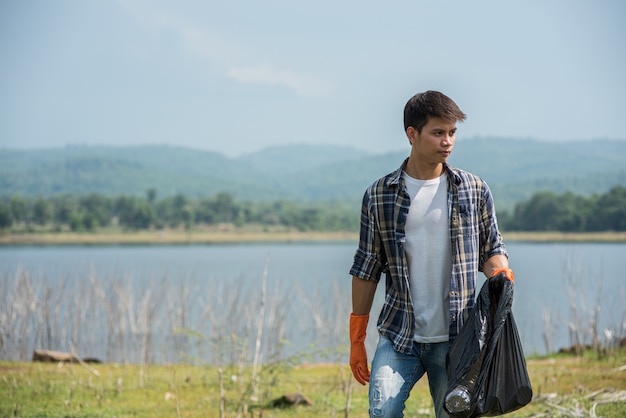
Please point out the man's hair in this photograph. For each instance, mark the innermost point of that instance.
(430, 104)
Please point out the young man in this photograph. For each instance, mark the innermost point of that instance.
(430, 228)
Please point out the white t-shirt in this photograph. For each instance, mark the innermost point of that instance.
(429, 257)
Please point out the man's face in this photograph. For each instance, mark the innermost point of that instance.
(433, 145)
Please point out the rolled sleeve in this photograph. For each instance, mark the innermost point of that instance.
(366, 266)
(492, 242)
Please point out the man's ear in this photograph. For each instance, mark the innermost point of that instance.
(411, 133)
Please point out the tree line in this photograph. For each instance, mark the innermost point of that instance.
(567, 212)
(545, 211)
(93, 211)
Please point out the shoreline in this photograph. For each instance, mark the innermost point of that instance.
(172, 238)
(175, 237)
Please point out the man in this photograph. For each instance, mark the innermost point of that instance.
(430, 228)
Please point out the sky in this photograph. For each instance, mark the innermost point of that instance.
(237, 76)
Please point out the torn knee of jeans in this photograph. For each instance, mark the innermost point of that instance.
(376, 403)
(385, 386)
(376, 396)
(387, 381)
(377, 412)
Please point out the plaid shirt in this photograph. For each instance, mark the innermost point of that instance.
(474, 238)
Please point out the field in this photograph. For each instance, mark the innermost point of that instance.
(206, 235)
(589, 385)
(231, 234)
(564, 386)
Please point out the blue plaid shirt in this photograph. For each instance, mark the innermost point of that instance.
(474, 238)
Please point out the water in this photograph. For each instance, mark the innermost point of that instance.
(204, 302)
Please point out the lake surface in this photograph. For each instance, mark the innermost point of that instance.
(208, 302)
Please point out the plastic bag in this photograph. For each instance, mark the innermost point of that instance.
(486, 366)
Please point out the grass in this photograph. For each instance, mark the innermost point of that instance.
(214, 235)
(252, 233)
(564, 386)
(555, 236)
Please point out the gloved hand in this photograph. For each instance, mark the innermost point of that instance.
(507, 272)
(358, 354)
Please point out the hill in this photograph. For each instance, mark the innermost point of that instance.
(515, 169)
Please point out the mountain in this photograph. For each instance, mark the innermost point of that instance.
(514, 169)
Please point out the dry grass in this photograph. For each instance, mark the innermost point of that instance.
(565, 236)
(201, 236)
(231, 234)
(564, 386)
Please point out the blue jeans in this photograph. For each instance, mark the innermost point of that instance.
(394, 374)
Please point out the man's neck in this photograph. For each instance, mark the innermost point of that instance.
(423, 171)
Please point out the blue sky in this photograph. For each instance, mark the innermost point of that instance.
(238, 76)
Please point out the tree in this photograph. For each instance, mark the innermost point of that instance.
(81, 221)
(97, 207)
(5, 216)
(177, 210)
(151, 195)
(574, 213)
(543, 212)
(225, 207)
(63, 208)
(205, 212)
(19, 209)
(42, 211)
(134, 213)
(610, 211)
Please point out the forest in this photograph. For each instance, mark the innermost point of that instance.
(90, 212)
(306, 173)
(544, 211)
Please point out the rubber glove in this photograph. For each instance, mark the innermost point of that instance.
(358, 354)
(507, 272)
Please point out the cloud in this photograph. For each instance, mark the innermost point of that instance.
(212, 48)
(237, 62)
(266, 74)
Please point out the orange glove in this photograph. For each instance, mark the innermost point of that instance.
(507, 272)
(358, 354)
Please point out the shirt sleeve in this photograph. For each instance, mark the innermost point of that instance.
(369, 260)
(490, 238)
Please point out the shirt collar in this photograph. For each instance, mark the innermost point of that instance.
(394, 178)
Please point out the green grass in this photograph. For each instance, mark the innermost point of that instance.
(563, 386)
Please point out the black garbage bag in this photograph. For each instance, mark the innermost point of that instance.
(487, 372)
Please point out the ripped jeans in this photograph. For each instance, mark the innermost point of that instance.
(394, 374)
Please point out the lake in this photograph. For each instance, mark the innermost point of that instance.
(212, 303)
